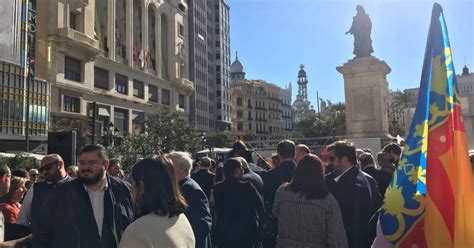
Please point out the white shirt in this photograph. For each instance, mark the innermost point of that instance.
(339, 177)
(97, 202)
(24, 217)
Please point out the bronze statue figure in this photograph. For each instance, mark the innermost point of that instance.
(361, 29)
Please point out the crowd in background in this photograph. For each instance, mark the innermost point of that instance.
(173, 201)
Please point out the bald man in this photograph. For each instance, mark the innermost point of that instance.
(301, 150)
(54, 173)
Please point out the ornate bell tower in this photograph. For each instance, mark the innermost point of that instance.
(302, 85)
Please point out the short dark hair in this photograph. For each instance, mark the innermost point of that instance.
(366, 159)
(286, 149)
(95, 148)
(114, 162)
(393, 147)
(3, 169)
(344, 148)
(20, 173)
(161, 193)
(230, 166)
(309, 178)
(205, 162)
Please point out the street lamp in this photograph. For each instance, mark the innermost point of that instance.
(111, 133)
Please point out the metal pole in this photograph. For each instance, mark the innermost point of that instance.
(317, 99)
(94, 109)
(27, 119)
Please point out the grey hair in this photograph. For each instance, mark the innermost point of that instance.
(182, 159)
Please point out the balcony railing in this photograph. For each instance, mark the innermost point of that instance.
(71, 38)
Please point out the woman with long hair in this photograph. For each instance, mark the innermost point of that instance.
(159, 208)
(10, 203)
(308, 215)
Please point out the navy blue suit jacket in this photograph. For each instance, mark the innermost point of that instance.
(197, 212)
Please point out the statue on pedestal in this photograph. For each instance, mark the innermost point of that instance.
(361, 29)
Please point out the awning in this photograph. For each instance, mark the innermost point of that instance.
(103, 111)
(216, 150)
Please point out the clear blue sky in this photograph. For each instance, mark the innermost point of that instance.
(273, 37)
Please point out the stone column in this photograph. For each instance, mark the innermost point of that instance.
(366, 91)
(144, 26)
(159, 57)
(129, 32)
(111, 83)
(111, 17)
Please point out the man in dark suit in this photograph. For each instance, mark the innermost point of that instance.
(250, 176)
(197, 212)
(356, 192)
(239, 209)
(274, 178)
(90, 211)
(204, 177)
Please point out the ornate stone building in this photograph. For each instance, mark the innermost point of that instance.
(302, 106)
(257, 106)
(128, 56)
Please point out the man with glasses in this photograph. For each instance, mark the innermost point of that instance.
(33, 173)
(91, 211)
(54, 173)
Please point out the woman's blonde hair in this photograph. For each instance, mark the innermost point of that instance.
(15, 184)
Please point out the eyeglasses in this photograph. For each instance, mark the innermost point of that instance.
(48, 167)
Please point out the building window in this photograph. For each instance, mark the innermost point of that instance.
(138, 122)
(250, 126)
(239, 114)
(73, 21)
(152, 93)
(121, 120)
(181, 101)
(239, 101)
(72, 69)
(239, 126)
(72, 104)
(165, 97)
(121, 84)
(101, 78)
(181, 29)
(138, 89)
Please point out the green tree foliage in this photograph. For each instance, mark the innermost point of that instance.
(165, 131)
(400, 100)
(224, 139)
(20, 162)
(332, 122)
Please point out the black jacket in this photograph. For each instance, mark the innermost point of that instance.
(359, 198)
(67, 218)
(239, 209)
(274, 178)
(254, 178)
(205, 179)
(197, 212)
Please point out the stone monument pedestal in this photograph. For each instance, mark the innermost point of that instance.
(366, 93)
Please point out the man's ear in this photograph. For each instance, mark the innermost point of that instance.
(106, 164)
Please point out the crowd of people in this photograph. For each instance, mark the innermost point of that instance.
(172, 201)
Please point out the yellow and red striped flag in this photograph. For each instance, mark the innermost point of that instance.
(430, 200)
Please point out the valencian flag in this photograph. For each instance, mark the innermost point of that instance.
(430, 200)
